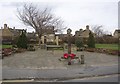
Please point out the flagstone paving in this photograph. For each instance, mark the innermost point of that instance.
(42, 59)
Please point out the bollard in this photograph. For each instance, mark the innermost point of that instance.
(69, 60)
(82, 59)
(69, 63)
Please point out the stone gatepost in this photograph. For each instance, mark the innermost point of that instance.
(57, 40)
(42, 39)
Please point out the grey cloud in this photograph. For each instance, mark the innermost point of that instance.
(11, 4)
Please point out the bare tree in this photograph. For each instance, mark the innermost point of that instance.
(97, 30)
(39, 19)
(101, 35)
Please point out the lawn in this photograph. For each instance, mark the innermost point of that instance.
(108, 46)
(5, 46)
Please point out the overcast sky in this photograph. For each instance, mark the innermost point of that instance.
(75, 13)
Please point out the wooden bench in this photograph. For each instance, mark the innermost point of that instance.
(52, 47)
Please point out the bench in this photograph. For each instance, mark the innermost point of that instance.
(52, 47)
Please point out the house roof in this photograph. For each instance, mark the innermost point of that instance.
(31, 35)
(83, 33)
(48, 30)
(16, 32)
(118, 31)
(5, 32)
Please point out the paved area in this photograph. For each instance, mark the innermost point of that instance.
(31, 59)
(42, 59)
(44, 64)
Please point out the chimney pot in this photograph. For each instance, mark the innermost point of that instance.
(5, 26)
(13, 27)
(87, 27)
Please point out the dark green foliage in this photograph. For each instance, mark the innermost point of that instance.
(15, 40)
(22, 41)
(79, 42)
(91, 41)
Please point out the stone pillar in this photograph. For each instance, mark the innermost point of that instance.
(57, 40)
(42, 39)
(45, 39)
(82, 59)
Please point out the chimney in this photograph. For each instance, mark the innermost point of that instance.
(81, 30)
(14, 28)
(25, 30)
(87, 27)
(5, 26)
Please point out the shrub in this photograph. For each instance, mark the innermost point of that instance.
(79, 43)
(22, 41)
(91, 41)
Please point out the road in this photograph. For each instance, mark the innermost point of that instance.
(106, 78)
(62, 74)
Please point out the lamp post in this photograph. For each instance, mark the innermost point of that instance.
(69, 45)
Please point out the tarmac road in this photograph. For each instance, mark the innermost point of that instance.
(59, 74)
(106, 78)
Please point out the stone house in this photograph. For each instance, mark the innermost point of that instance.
(116, 33)
(17, 32)
(32, 37)
(49, 36)
(6, 35)
(84, 34)
(62, 38)
(9, 34)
